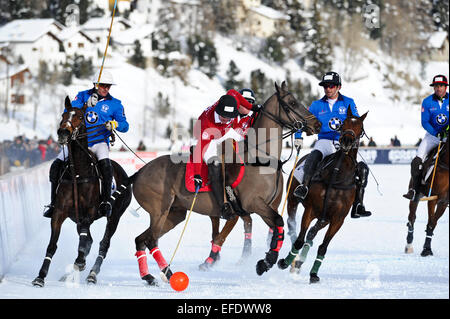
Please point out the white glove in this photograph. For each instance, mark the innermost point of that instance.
(298, 143)
(92, 100)
(111, 125)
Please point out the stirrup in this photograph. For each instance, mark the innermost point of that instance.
(412, 195)
(301, 191)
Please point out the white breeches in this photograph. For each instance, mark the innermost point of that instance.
(101, 150)
(326, 147)
(427, 144)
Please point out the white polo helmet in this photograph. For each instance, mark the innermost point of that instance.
(106, 77)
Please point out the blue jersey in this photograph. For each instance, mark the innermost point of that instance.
(332, 119)
(106, 109)
(434, 116)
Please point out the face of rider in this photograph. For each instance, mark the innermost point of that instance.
(224, 120)
(331, 91)
(103, 89)
(440, 90)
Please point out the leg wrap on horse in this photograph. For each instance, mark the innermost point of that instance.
(277, 238)
(215, 250)
(142, 262)
(156, 253)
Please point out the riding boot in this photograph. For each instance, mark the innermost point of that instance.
(308, 171)
(416, 174)
(106, 170)
(55, 169)
(215, 177)
(358, 209)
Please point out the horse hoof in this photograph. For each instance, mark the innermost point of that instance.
(313, 279)
(281, 264)
(261, 267)
(426, 252)
(150, 280)
(165, 274)
(79, 266)
(38, 282)
(409, 249)
(206, 266)
(92, 278)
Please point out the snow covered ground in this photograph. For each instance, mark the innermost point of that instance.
(365, 260)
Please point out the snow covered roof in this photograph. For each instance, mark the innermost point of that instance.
(136, 33)
(27, 30)
(12, 70)
(71, 31)
(103, 23)
(270, 13)
(187, 2)
(437, 39)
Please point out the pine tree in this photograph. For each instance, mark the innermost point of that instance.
(273, 48)
(232, 72)
(204, 54)
(260, 84)
(440, 9)
(138, 58)
(318, 48)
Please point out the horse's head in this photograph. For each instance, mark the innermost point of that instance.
(72, 121)
(295, 115)
(351, 130)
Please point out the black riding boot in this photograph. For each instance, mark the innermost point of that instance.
(55, 169)
(416, 173)
(362, 173)
(106, 170)
(308, 171)
(215, 177)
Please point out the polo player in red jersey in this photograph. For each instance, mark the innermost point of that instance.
(216, 124)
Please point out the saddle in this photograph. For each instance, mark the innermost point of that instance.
(324, 170)
(66, 176)
(428, 165)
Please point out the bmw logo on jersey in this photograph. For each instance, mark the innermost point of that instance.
(441, 119)
(335, 123)
(91, 117)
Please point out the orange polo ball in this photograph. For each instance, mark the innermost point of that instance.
(179, 281)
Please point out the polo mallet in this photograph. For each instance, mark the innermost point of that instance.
(164, 274)
(429, 197)
(290, 178)
(107, 43)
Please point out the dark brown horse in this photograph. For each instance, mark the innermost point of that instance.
(330, 197)
(159, 185)
(78, 195)
(439, 195)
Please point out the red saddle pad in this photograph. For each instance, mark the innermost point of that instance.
(189, 177)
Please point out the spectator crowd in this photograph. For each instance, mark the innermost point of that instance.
(23, 152)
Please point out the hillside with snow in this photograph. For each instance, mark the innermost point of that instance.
(390, 89)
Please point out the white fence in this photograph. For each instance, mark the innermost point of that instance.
(23, 195)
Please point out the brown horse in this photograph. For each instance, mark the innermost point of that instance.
(78, 195)
(331, 195)
(436, 206)
(159, 185)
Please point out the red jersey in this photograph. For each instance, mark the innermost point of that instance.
(207, 128)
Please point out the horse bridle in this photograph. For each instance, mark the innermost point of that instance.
(355, 143)
(294, 123)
